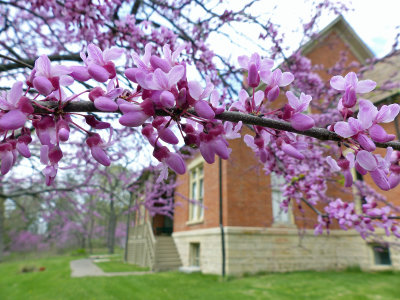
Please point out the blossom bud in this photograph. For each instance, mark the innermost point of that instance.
(378, 134)
(98, 73)
(365, 142)
(291, 151)
(204, 110)
(349, 98)
(80, 73)
(55, 155)
(253, 76)
(110, 67)
(95, 93)
(167, 99)
(43, 85)
(176, 163)
(168, 136)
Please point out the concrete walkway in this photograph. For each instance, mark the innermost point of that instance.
(86, 267)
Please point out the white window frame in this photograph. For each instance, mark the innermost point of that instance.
(196, 191)
(279, 216)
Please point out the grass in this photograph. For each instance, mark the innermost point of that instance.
(119, 266)
(55, 283)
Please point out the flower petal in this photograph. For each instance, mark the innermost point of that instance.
(43, 85)
(175, 75)
(113, 53)
(12, 120)
(302, 122)
(380, 178)
(98, 73)
(7, 160)
(286, 79)
(133, 119)
(244, 61)
(367, 113)
(258, 97)
(105, 104)
(176, 163)
(95, 55)
(338, 83)
(294, 102)
(366, 160)
(343, 129)
(365, 86)
(195, 89)
(204, 110)
(15, 93)
(387, 113)
(100, 155)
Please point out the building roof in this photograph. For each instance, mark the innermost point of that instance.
(349, 36)
(387, 76)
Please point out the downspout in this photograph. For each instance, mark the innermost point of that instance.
(221, 225)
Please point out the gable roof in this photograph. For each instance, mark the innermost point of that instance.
(385, 72)
(348, 35)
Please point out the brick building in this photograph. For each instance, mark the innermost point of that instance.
(257, 235)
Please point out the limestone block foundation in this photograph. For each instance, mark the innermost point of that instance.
(254, 249)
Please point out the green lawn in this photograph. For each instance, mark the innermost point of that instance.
(119, 266)
(55, 283)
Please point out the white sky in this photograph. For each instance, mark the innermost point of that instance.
(375, 23)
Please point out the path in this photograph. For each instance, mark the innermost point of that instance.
(86, 267)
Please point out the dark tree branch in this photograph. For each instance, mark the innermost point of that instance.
(232, 116)
(28, 63)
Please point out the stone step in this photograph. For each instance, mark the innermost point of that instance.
(167, 259)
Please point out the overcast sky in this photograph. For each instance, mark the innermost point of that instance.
(375, 24)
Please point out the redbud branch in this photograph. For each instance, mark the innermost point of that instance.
(231, 116)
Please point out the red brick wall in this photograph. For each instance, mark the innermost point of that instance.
(211, 199)
(328, 53)
(246, 191)
(246, 194)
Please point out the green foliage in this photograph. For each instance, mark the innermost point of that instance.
(78, 252)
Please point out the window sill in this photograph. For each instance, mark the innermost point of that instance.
(195, 222)
(283, 225)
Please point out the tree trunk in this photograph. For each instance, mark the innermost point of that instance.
(90, 235)
(111, 228)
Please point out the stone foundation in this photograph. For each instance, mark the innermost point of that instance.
(252, 250)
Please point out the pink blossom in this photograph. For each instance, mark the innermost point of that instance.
(255, 67)
(16, 108)
(275, 80)
(298, 120)
(48, 78)
(99, 63)
(351, 86)
(202, 107)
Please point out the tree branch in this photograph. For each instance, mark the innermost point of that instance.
(28, 63)
(232, 116)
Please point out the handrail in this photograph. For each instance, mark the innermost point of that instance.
(150, 244)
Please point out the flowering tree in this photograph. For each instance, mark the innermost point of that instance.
(153, 95)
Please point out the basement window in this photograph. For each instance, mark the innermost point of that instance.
(194, 255)
(381, 255)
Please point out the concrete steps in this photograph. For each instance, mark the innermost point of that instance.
(166, 256)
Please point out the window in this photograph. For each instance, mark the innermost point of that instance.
(196, 209)
(194, 255)
(280, 217)
(381, 255)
